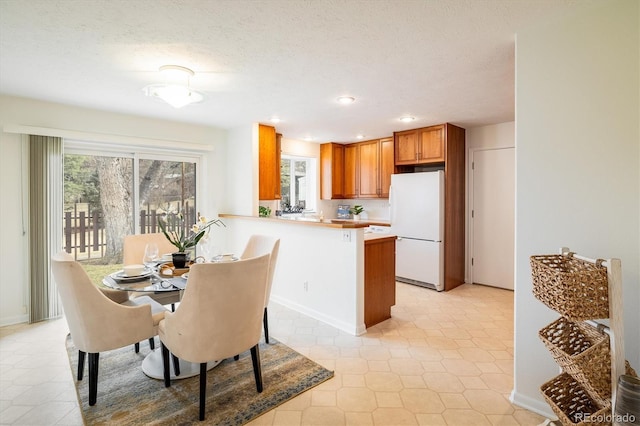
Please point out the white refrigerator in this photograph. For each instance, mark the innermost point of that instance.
(417, 218)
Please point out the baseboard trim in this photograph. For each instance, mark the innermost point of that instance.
(16, 319)
(353, 329)
(531, 404)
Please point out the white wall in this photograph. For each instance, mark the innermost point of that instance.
(335, 294)
(502, 135)
(242, 179)
(13, 227)
(92, 125)
(578, 162)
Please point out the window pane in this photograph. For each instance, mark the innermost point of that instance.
(98, 206)
(166, 185)
(285, 181)
(297, 178)
(301, 183)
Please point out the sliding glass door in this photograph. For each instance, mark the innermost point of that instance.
(108, 195)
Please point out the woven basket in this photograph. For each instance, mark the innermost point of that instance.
(572, 287)
(572, 403)
(583, 352)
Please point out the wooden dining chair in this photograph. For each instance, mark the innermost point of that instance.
(97, 323)
(220, 315)
(259, 245)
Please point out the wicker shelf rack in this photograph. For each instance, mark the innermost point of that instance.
(590, 353)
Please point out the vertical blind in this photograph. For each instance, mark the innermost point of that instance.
(45, 224)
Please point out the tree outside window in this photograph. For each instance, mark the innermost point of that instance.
(100, 200)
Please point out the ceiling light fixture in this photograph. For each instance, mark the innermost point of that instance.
(359, 136)
(274, 120)
(176, 91)
(345, 100)
(407, 119)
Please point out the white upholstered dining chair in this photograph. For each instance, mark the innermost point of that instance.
(259, 245)
(97, 323)
(220, 315)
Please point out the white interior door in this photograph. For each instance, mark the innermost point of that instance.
(493, 217)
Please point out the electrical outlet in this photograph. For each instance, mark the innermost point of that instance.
(346, 236)
(306, 286)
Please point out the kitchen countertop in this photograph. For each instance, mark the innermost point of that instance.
(374, 236)
(311, 221)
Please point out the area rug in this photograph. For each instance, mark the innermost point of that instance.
(126, 396)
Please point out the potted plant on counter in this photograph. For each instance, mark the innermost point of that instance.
(264, 211)
(355, 211)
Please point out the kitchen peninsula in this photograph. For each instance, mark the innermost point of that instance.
(327, 269)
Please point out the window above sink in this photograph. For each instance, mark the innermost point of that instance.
(298, 184)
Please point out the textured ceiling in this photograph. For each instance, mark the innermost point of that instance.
(437, 60)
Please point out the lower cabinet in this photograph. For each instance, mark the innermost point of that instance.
(379, 279)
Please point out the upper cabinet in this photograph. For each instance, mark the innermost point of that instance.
(366, 169)
(331, 171)
(387, 166)
(269, 163)
(368, 172)
(350, 171)
(420, 146)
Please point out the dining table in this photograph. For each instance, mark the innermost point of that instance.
(152, 281)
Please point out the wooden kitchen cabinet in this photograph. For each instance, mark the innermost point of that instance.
(420, 146)
(365, 169)
(406, 147)
(368, 167)
(379, 279)
(351, 171)
(387, 166)
(368, 176)
(269, 163)
(431, 140)
(332, 171)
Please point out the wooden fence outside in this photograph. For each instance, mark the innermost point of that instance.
(84, 233)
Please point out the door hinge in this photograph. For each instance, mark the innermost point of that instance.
(471, 214)
(472, 261)
(473, 165)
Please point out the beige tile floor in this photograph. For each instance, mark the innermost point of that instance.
(443, 359)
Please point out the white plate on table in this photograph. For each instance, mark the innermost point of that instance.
(167, 257)
(120, 276)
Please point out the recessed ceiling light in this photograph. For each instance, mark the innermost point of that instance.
(359, 136)
(346, 100)
(274, 120)
(308, 138)
(407, 119)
